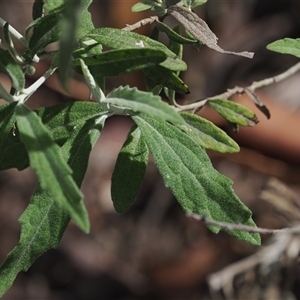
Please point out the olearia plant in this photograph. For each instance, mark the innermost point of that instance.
(56, 141)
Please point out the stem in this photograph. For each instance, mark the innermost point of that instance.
(241, 227)
(14, 32)
(140, 23)
(31, 89)
(250, 90)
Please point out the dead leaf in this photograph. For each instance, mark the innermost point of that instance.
(200, 30)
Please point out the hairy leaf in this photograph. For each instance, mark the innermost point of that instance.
(188, 172)
(129, 171)
(122, 39)
(12, 69)
(138, 101)
(234, 112)
(208, 135)
(119, 62)
(46, 159)
(44, 222)
(286, 46)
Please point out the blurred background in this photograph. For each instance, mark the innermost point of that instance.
(155, 251)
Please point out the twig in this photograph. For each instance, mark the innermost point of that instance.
(141, 23)
(259, 262)
(250, 90)
(242, 227)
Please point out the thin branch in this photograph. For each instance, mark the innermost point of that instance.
(259, 262)
(26, 93)
(14, 32)
(140, 23)
(241, 227)
(250, 90)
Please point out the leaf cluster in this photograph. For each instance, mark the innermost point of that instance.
(56, 141)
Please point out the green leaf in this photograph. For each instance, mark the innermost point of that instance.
(167, 78)
(234, 112)
(173, 35)
(60, 119)
(12, 69)
(208, 135)
(46, 159)
(178, 50)
(286, 46)
(197, 3)
(129, 171)
(187, 3)
(138, 101)
(122, 39)
(68, 40)
(46, 31)
(188, 172)
(44, 222)
(119, 62)
(55, 5)
(144, 5)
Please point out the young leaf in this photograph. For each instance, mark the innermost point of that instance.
(178, 50)
(44, 222)
(92, 84)
(138, 101)
(197, 3)
(286, 46)
(129, 171)
(173, 35)
(119, 62)
(46, 159)
(144, 5)
(208, 135)
(122, 39)
(167, 78)
(12, 69)
(234, 112)
(188, 172)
